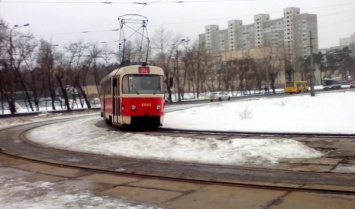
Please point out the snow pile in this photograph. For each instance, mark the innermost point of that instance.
(85, 136)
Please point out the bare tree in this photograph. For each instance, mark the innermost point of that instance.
(45, 60)
(18, 48)
(230, 73)
(33, 77)
(3, 55)
(244, 67)
(162, 43)
(289, 69)
(277, 65)
(94, 53)
(197, 62)
(25, 49)
(61, 74)
(76, 66)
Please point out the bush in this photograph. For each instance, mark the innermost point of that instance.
(245, 113)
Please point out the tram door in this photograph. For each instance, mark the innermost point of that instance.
(116, 98)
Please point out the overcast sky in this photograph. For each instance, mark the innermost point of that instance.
(64, 21)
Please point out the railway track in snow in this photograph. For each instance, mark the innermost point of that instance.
(286, 176)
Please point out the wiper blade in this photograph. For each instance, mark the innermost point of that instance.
(156, 91)
(134, 88)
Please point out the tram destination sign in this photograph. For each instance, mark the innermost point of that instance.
(143, 70)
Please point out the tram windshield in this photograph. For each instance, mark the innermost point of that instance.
(142, 84)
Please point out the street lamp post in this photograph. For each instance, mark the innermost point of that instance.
(311, 69)
(267, 72)
(12, 74)
(178, 75)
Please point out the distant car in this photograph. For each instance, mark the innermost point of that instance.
(352, 85)
(344, 83)
(219, 96)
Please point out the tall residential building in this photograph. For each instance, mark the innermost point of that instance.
(347, 41)
(290, 32)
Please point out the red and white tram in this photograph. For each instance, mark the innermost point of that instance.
(133, 95)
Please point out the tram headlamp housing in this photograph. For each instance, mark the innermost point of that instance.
(133, 107)
(158, 107)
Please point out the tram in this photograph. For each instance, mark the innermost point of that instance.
(133, 95)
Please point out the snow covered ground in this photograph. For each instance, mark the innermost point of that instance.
(331, 112)
(15, 193)
(324, 113)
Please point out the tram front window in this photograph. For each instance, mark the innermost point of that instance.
(142, 84)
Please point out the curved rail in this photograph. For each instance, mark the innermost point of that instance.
(14, 143)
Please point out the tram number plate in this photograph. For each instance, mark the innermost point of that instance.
(146, 104)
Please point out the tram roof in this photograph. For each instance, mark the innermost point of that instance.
(124, 69)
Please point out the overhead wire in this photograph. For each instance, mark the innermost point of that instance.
(116, 2)
(161, 1)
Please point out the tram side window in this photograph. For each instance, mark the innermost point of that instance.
(102, 90)
(125, 85)
(108, 88)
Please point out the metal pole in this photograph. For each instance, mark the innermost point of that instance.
(12, 78)
(311, 70)
(267, 72)
(177, 72)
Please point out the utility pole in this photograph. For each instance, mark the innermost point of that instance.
(311, 68)
(178, 74)
(12, 78)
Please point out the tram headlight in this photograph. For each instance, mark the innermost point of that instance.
(133, 107)
(158, 107)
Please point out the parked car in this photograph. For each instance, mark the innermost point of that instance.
(352, 85)
(219, 96)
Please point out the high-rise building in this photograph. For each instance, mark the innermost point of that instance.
(347, 41)
(290, 32)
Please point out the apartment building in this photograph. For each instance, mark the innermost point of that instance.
(290, 32)
(347, 41)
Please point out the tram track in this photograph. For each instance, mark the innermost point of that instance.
(249, 134)
(190, 179)
(14, 143)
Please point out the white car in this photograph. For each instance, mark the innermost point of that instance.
(219, 96)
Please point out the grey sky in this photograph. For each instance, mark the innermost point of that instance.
(64, 21)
